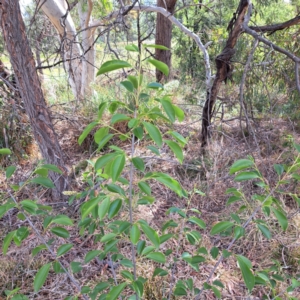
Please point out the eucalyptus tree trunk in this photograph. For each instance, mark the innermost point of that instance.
(163, 36)
(22, 61)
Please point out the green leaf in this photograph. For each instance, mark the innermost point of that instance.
(214, 252)
(91, 255)
(128, 85)
(10, 171)
(159, 66)
(126, 263)
(221, 226)
(41, 277)
(239, 231)
(140, 247)
(133, 80)
(86, 131)
(46, 182)
(88, 206)
(100, 134)
(114, 208)
(112, 65)
(198, 222)
(7, 240)
(5, 151)
(108, 237)
(151, 234)
(176, 150)
(101, 110)
(240, 165)
(61, 232)
(103, 160)
(117, 166)
(153, 149)
(116, 291)
(179, 113)
(161, 47)
(126, 274)
(248, 276)
(247, 176)
(132, 48)
(103, 208)
(157, 256)
(147, 250)
(135, 234)
(62, 220)
(233, 199)
(41, 172)
(52, 168)
(37, 249)
(115, 189)
(159, 272)
(169, 109)
(180, 139)
(118, 118)
(138, 163)
(216, 292)
(180, 291)
(63, 249)
(265, 231)
(5, 208)
(154, 133)
(281, 217)
(144, 187)
(138, 132)
(279, 169)
(155, 86)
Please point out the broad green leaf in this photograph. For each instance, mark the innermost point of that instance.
(161, 47)
(159, 272)
(281, 217)
(133, 123)
(233, 199)
(176, 150)
(37, 249)
(118, 118)
(265, 231)
(145, 200)
(247, 176)
(75, 266)
(20, 235)
(117, 167)
(140, 247)
(126, 263)
(163, 238)
(135, 234)
(154, 133)
(62, 220)
(5, 151)
(159, 66)
(104, 141)
(144, 187)
(147, 250)
(133, 80)
(132, 48)
(179, 113)
(198, 222)
(103, 208)
(88, 206)
(114, 208)
(115, 189)
(116, 291)
(46, 182)
(138, 163)
(86, 131)
(155, 86)
(169, 109)
(221, 226)
(214, 252)
(101, 110)
(41, 277)
(216, 292)
(240, 165)
(157, 256)
(107, 237)
(238, 231)
(153, 149)
(7, 240)
(91, 255)
(41, 172)
(10, 171)
(279, 169)
(138, 132)
(126, 274)
(151, 234)
(180, 291)
(180, 139)
(61, 232)
(63, 249)
(127, 85)
(112, 65)
(52, 168)
(5, 208)
(100, 134)
(248, 276)
(103, 160)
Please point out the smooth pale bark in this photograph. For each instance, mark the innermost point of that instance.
(22, 61)
(163, 35)
(87, 38)
(57, 12)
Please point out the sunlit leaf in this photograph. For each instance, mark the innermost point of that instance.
(112, 65)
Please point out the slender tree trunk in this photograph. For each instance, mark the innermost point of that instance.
(163, 35)
(22, 61)
(224, 68)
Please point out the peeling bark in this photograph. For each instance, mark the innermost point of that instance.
(23, 63)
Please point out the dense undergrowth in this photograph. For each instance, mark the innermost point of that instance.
(150, 216)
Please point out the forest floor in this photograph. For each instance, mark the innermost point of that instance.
(206, 172)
